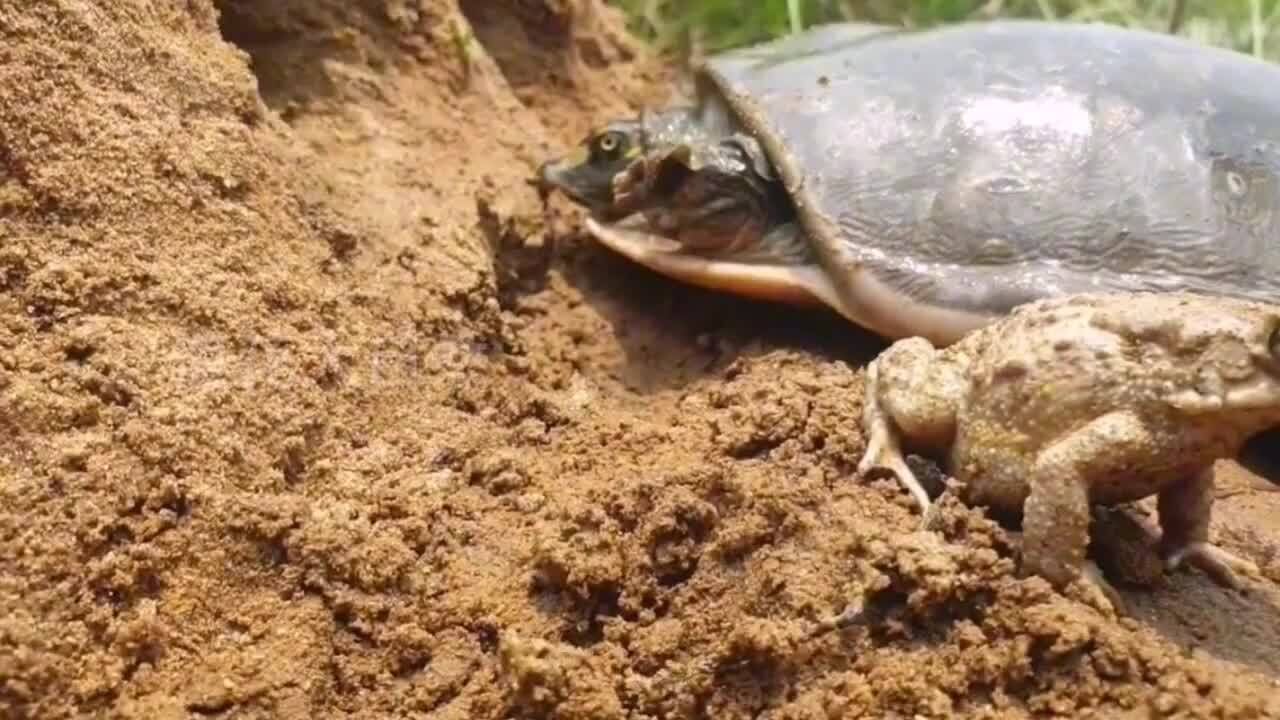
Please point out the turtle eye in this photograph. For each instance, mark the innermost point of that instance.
(609, 144)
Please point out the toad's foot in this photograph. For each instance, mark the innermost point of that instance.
(1223, 566)
(1099, 593)
(1091, 587)
(883, 449)
(1184, 510)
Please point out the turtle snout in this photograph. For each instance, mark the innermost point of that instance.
(560, 175)
(543, 181)
(580, 181)
(551, 175)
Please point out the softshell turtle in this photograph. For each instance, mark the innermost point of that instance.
(925, 182)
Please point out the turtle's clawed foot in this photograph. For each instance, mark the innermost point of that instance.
(1223, 566)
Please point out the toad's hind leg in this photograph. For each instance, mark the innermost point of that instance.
(883, 448)
(911, 393)
(1056, 514)
(1184, 510)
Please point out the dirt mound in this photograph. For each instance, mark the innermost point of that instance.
(312, 409)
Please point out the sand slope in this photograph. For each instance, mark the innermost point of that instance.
(312, 410)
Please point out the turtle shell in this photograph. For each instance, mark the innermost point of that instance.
(945, 176)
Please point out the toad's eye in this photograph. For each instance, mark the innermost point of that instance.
(1273, 342)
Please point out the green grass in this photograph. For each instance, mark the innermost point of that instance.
(684, 26)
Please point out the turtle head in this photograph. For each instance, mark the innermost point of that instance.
(587, 173)
(683, 193)
(714, 214)
(712, 198)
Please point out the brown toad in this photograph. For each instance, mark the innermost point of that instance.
(1088, 399)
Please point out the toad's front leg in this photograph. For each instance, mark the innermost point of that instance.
(1056, 514)
(911, 394)
(1185, 509)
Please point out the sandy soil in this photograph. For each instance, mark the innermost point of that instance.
(312, 410)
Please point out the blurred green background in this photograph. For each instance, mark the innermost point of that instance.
(701, 26)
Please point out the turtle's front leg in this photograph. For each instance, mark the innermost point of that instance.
(911, 393)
